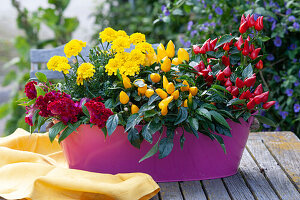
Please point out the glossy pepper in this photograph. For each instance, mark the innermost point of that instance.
(251, 21)
(200, 66)
(155, 77)
(183, 55)
(254, 53)
(166, 65)
(124, 98)
(243, 27)
(220, 76)
(259, 23)
(213, 43)
(196, 49)
(228, 83)
(149, 93)
(235, 91)
(239, 43)
(259, 65)
(250, 104)
(259, 90)
(250, 81)
(226, 47)
(226, 60)
(239, 83)
(170, 49)
(134, 109)
(227, 71)
(268, 104)
(161, 52)
(265, 96)
(246, 49)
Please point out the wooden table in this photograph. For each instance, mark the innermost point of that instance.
(270, 169)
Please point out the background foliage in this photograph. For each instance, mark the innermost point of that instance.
(194, 21)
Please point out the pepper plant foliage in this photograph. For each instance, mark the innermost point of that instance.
(149, 91)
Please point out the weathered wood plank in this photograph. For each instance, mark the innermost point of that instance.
(255, 180)
(156, 197)
(170, 191)
(285, 148)
(50, 74)
(215, 189)
(279, 180)
(192, 190)
(237, 187)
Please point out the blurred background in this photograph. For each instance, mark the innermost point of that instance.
(43, 24)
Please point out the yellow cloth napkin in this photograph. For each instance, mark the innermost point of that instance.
(31, 167)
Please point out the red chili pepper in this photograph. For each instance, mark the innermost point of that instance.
(209, 68)
(243, 19)
(239, 43)
(248, 38)
(213, 43)
(243, 95)
(251, 48)
(268, 104)
(200, 66)
(203, 49)
(259, 23)
(209, 79)
(247, 18)
(225, 60)
(259, 90)
(229, 88)
(220, 76)
(231, 42)
(250, 81)
(228, 83)
(258, 99)
(235, 91)
(243, 27)
(265, 96)
(251, 104)
(246, 50)
(254, 53)
(251, 21)
(226, 47)
(239, 83)
(227, 71)
(205, 72)
(248, 94)
(196, 49)
(208, 45)
(259, 65)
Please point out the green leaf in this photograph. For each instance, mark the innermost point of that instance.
(165, 147)
(41, 77)
(39, 91)
(224, 39)
(209, 106)
(109, 103)
(70, 129)
(193, 123)
(134, 137)
(204, 112)
(248, 71)
(153, 98)
(146, 107)
(55, 129)
(236, 101)
(41, 122)
(220, 141)
(85, 110)
(151, 152)
(132, 121)
(219, 118)
(265, 120)
(223, 131)
(246, 116)
(150, 113)
(265, 38)
(28, 103)
(182, 115)
(4, 110)
(112, 123)
(219, 87)
(149, 129)
(104, 130)
(182, 139)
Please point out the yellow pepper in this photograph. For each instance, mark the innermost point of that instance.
(134, 109)
(164, 110)
(155, 77)
(165, 101)
(149, 93)
(176, 61)
(183, 55)
(161, 52)
(170, 88)
(165, 82)
(161, 93)
(186, 88)
(166, 65)
(190, 99)
(185, 103)
(150, 59)
(124, 98)
(193, 90)
(175, 94)
(142, 90)
(170, 49)
(126, 82)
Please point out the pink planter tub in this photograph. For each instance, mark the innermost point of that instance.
(199, 159)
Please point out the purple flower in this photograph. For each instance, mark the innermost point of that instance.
(270, 57)
(284, 114)
(296, 25)
(296, 83)
(296, 108)
(289, 92)
(277, 106)
(210, 16)
(212, 24)
(266, 126)
(278, 128)
(291, 18)
(213, 6)
(299, 73)
(189, 26)
(271, 19)
(273, 26)
(276, 78)
(292, 46)
(193, 33)
(255, 16)
(294, 60)
(165, 10)
(277, 41)
(288, 11)
(219, 11)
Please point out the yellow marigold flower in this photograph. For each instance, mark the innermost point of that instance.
(142, 90)
(155, 77)
(108, 35)
(176, 61)
(134, 109)
(193, 90)
(166, 65)
(136, 38)
(73, 48)
(59, 63)
(85, 71)
(149, 93)
(185, 88)
(183, 55)
(137, 56)
(124, 98)
(161, 52)
(120, 44)
(126, 82)
(170, 88)
(121, 33)
(175, 94)
(170, 49)
(145, 47)
(161, 93)
(112, 66)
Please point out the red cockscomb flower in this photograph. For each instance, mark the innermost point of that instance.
(30, 90)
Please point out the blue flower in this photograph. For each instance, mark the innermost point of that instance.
(296, 25)
(219, 11)
(189, 26)
(291, 18)
(266, 126)
(273, 26)
(270, 57)
(277, 106)
(212, 24)
(289, 92)
(292, 46)
(277, 41)
(288, 11)
(284, 114)
(276, 78)
(296, 108)
(165, 10)
(210, 16)
(193, 33)
(294, 60)
(296, 83)
(271, 19)
(255, 16)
